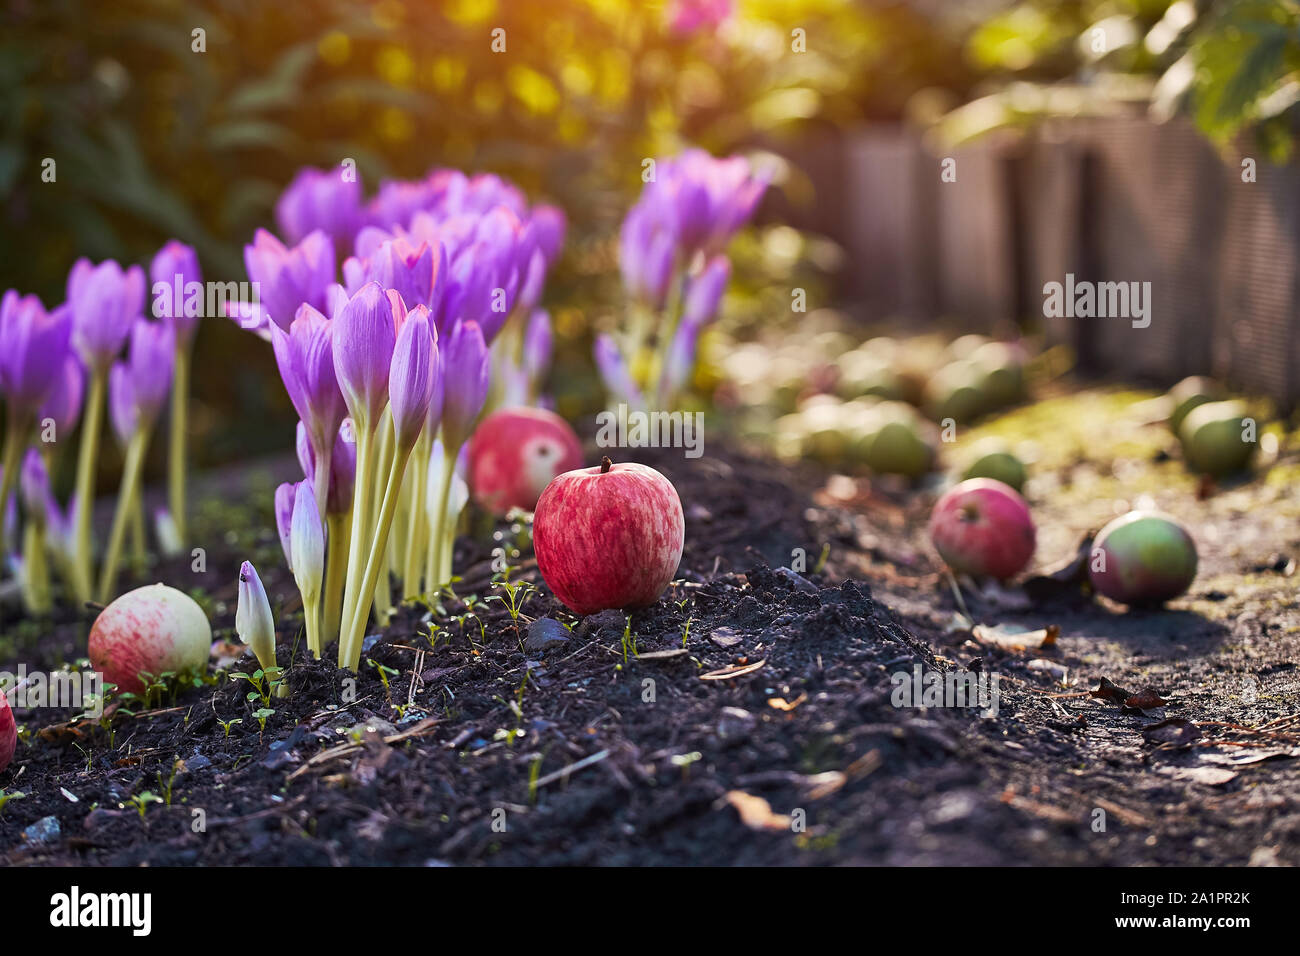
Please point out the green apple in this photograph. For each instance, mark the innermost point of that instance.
(1190, 393)
(1217, 439)
(1142, 557)
(1001, 465)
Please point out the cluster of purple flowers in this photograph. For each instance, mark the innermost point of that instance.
(52, 362)
(671, 254)
(392, 364)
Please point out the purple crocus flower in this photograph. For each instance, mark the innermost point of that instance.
(539, 343)
(365, 334)
(703, 201)
(465, 363)
(328, 200)
(305, 357)
(614, 372)
(172, 271)
(33, 348)
(34, 487)
(647, 254)
(679, 360)
(105, 301)
(704, 293)
(411, 377)
(138, 387)
(288, 277)
(284, 499)
(63, 406)
(417, 272)
(549, 226)
(343, 467)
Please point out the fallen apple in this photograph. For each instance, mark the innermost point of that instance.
(1002, 380)
(897, 448)
(153, 630)
(514, 454)
(983, 528)
(609, 536)
(1216, 440)
(1001, 465)
(1142, 557)
(8, 732)
(954, 392)
(1192, 392)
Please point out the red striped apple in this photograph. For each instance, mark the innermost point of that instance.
(514, 454)
(152, 630)
(609, 536)
(983, 528)
(1142, 557)
(8, 732)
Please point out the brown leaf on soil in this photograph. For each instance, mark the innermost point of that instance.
(1108, 690)
(1063, 578)
(780, 703)
(1146, 699)
(1000, 635)
(730, 671)
(755, 812)
(662, 655)
(1174, 732)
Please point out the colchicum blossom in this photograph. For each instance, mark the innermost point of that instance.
(177, 283)
(324, 199)
(614, 373)
(37, 502)
(411, 387)
(673, 237)
(305, 357)
(253, 621)
(692, 16)
(33, 349)
(365, 334)
(285, 493)
(173, 273)
(138, 389)
(105, 302)
(465, 383)
(307, 546)
(63, 407)
(287, 277)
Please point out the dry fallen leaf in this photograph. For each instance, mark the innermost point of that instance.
(731, 670)
(780, 703)
(1001, 635)
(755, 812)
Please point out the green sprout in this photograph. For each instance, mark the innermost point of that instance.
(141, 801)
(166, 787)
(261, 717)
(6, 796)
(227, 724)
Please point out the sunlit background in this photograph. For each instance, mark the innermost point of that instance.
(155, 139)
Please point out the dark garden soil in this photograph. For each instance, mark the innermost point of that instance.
(762, 733)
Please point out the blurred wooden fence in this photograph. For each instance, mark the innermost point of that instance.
(1108, 200)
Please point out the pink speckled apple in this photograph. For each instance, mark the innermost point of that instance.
(514, 454)
(609, 536)
(8, 732)
(152, 630)
(983, 528)
(1142, 557)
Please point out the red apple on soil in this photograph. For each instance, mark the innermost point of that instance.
(514, 454)
(983, 528)
(8, 732)
(609, 536)
(151, 630)
(1142, 558)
